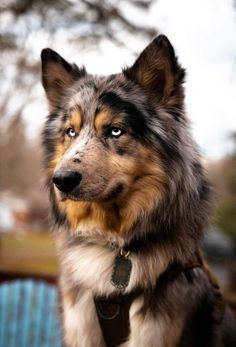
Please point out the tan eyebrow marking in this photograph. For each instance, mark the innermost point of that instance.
(76, 119)
(103, 118)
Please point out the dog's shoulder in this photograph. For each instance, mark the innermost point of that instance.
(209, 322)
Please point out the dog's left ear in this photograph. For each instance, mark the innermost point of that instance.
(57, 76)
(157, 70)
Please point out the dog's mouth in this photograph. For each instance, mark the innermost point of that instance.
(100, 195)
(115, 192)
(71, 185)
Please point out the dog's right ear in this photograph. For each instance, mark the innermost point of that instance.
(57, 76)
(157, 70)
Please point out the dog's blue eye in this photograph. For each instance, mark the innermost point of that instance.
(70, 132)
(116, 132)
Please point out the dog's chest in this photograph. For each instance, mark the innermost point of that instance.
(93, 266)
(96, 267)
(82, 326)
(90, 268)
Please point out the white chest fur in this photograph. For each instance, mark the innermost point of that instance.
(91, 266)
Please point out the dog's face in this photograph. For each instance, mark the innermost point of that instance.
(100, 154)
(107, 138)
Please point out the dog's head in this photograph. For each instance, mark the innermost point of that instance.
(112, 143)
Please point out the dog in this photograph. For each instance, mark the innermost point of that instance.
(130, 204)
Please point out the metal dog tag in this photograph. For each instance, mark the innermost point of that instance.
(121, 271)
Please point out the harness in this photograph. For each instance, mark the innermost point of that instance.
(113, 315)
(113, 311)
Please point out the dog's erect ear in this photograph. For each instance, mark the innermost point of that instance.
(157, 70)
(57, 75)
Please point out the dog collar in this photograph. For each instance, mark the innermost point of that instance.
(122, 267)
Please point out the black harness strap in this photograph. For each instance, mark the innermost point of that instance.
(113, 315)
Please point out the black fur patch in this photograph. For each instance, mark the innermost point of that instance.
(133, 116)
(115, 192)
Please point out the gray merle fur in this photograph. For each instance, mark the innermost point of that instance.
(149, 96)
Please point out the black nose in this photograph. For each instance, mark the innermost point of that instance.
(66, 181)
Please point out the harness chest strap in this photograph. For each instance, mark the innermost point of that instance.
(113, 315)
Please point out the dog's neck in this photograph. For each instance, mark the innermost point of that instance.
(141, 244)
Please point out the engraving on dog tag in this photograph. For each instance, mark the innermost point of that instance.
(121, 272)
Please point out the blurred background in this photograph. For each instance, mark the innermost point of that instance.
(104, 36)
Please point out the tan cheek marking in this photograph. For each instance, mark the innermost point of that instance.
(106, 216)
(149, 181)
(89, 212)
(75, 211)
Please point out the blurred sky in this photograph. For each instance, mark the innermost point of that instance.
(203, 33)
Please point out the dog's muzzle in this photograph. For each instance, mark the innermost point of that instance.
(66, 181)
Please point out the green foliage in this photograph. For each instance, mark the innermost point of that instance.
(226, 217)
(226, 210)
(230, 175)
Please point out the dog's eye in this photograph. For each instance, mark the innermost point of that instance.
(70, 132)
(116, 132)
